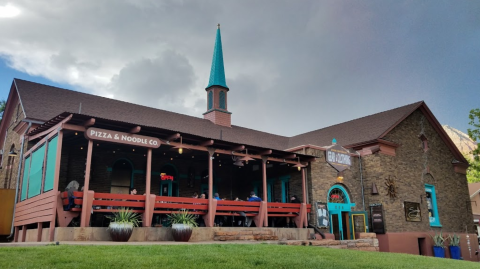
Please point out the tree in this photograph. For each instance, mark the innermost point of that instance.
(473, 172)
(2, 108)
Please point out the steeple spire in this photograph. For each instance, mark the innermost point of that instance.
(217, 73)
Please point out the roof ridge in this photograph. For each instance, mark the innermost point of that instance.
(381, 112)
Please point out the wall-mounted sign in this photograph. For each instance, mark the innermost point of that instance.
(164, 176)
(378, 226)
(412, 211)
(122, 138)
(338, 157)
(323, 219)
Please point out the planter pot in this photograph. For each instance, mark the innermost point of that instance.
(120, 232)
(455, 252)
(439, 252)
(181, 232)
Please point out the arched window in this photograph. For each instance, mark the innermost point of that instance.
(222, 99)
(210, 100)
(337, 196)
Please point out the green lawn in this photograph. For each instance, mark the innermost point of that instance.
(212, 257)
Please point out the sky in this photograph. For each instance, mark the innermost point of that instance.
(291, 66)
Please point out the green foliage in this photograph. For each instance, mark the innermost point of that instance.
(183, 217)
(231, 256)
(124, 215)
(454, 240)
(438, 240)
(2, 109)
(473, 172)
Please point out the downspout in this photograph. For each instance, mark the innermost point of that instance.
(361, 179)
(18, 177)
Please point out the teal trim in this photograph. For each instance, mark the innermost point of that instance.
(217, 72)
(435, 219)
(270, 186)
(210, 100)
(138, 171)
(256, 186)
(26, 175)
(337, 208)
(183, 176)
(285, 181)
(51, 161)
(109, 169)
(222, 99)
(219, 110)
(198, 177)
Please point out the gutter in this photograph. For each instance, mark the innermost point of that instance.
(18, 177)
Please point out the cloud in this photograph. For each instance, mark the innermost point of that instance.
(290, 67)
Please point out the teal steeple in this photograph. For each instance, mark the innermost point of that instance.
(217, 73)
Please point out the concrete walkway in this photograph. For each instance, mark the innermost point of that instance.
(110, 243)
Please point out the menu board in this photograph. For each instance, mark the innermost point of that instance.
(323, 219)
(378, 225)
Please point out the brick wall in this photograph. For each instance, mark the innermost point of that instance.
(219, 118)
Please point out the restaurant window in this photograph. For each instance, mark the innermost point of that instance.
(210, 100)
(432, 205)
(222, 100)
(285, 189)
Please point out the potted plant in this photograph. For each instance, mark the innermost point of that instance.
(122, 224)
(454, 246)
(438, 245)
(182, 225)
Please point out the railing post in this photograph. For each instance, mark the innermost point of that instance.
(265, 194)
(85, 209)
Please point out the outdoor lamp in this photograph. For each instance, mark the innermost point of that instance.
(299, 165)
(340, 176)
(180, 147)
(246, 158)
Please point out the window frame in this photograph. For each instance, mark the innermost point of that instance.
(435, 220)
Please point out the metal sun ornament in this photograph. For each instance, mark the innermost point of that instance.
(391, 187)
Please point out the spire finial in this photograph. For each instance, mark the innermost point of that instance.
(218, 25)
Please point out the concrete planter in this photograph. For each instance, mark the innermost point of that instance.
(120, 232)
(181, 232)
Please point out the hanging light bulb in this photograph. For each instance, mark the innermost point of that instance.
(76, 133)
(299, 168)
(180, 150)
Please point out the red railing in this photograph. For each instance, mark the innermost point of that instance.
(108, 202)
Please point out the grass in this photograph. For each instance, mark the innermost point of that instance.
(229, 256)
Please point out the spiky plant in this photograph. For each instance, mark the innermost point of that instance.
(454, 240)
(183, 217)
(438, 240)
(125, 216)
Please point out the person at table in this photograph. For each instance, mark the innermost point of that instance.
(293, 199)
(253, 198)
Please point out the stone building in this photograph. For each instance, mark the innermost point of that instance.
(400, 175)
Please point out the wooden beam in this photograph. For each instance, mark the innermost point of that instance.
(173, 137)
(51, 129)
(89, 122)
(135, 130)
(86, 209)
(238, 148)
(265, 152)
(291, 156)
(71, 127)
(207, 143)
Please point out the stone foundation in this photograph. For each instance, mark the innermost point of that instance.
(367, 242)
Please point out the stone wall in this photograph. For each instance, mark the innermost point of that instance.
(408, 169)
(9, 171)
(366, 242)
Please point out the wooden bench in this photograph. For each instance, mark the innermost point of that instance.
(291, 210)
(169, 205)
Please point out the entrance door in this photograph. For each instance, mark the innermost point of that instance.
(345, 226)
(336, 226)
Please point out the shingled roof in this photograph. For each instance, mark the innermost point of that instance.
(356, 131)
(43, 102)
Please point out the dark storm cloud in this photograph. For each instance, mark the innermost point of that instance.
(291, 65)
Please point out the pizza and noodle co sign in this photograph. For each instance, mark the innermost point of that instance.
(122, 138)
(338, 157)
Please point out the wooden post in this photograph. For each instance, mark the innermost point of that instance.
(265, 195)
(39, 231)
(24, 232)
(146, 220)
(17, 230)
(210, 186)
(56, 179)
(85, 209)
(304, 191)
